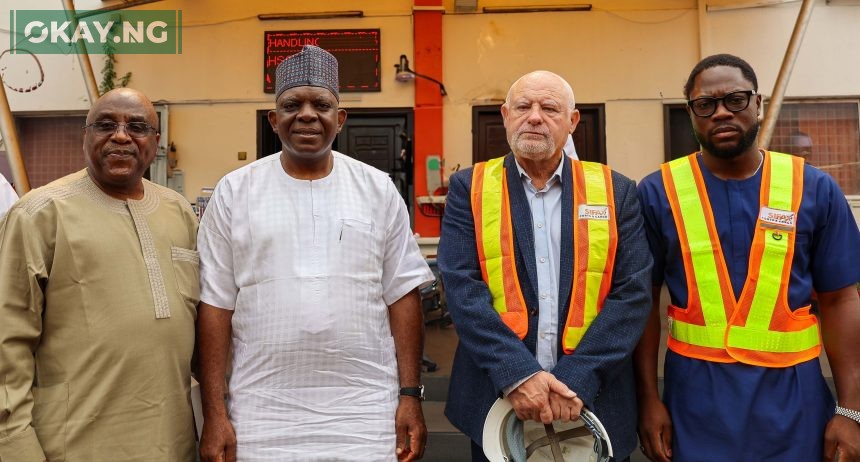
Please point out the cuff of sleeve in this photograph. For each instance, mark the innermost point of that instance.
(21, 447)
(396, 292)
(586, 386)
(508, 389)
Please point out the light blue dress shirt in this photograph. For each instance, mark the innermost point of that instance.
(545, 206)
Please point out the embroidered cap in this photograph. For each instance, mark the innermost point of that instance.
(312, 66)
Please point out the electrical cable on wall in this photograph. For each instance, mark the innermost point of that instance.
(21, 71)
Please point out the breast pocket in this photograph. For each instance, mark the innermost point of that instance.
(186, 269)
(355, 247)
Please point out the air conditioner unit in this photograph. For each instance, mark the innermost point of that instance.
(466, 6)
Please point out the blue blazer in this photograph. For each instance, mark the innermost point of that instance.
(490, 356)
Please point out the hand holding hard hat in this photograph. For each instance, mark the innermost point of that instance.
(508, 439)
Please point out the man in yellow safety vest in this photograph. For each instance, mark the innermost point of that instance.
(741, 237)
(545, 268)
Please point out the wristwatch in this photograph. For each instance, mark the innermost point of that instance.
(417, 392)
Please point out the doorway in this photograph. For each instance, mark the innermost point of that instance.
(381, 138)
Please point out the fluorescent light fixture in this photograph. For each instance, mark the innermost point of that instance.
(536, 9)
(311, 15)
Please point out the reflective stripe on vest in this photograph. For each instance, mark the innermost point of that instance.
(760, 328)
(594, 238)
(495, 240)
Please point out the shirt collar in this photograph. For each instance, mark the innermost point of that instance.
(556, 176)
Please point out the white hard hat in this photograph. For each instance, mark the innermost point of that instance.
(509, 439)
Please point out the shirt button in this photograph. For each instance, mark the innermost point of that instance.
(542, 260)
(543, 296)
(540, 225)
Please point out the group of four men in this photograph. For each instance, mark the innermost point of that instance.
(307, 276)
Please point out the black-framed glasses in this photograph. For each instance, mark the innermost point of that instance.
(132, 129)
(735, 101)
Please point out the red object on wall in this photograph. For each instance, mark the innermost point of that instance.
(428, 104)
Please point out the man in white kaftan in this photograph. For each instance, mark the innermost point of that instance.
(309, 261)
(311, 267)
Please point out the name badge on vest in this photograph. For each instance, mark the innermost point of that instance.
(779, 219)
(594, 212)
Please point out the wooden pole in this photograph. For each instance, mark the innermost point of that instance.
(83, 57)
(775, 103)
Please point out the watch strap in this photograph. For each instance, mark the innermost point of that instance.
(417, 392)
(845, 412)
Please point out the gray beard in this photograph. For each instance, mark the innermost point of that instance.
(532, 150)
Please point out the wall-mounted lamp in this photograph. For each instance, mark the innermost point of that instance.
(404, 74)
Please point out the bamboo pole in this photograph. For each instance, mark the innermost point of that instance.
(83, 57)
(778, 94)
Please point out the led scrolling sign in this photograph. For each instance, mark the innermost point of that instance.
(356, 50)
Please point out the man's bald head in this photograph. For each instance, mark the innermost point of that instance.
(120, 141)
(125, 96)
(544, 76)
(539, 113)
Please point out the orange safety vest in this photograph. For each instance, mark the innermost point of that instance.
(759, 328)
(595, 238)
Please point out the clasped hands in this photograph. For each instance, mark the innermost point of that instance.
(543, 398)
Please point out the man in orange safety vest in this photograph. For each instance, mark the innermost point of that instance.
(742, 236)
(545, 268)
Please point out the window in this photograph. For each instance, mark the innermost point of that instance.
(51, 146)
(827, 134)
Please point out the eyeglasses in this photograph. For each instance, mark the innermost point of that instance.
(132, 129)
(735, 101)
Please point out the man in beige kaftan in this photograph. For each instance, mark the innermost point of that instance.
(98, 293)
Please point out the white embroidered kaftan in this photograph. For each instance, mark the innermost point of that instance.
(310, 268)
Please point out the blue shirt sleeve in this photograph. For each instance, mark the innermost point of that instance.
(650, 190)
(835, 254)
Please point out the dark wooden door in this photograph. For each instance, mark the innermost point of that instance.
(489, 139)
(268, 142)
(678, 132)
(378, 137)
(383, 139)
(372, 140)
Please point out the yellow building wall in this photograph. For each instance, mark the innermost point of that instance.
(632, 56)
(828, 61)
(630, 59)
(214, 88)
